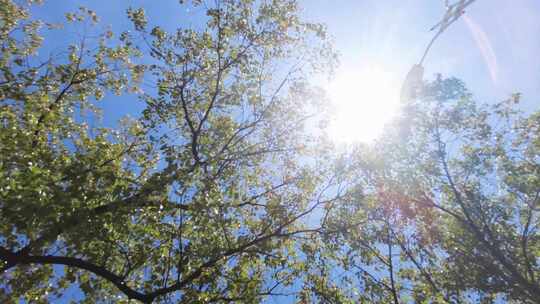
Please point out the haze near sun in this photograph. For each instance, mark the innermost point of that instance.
(363, 99)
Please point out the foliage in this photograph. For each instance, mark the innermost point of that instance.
(199, 200)
(450, 205)
(220, 191)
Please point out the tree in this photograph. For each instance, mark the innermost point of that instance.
(450, 206)
(201, 199)
(217, 192)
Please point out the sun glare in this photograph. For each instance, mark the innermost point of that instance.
(363, 100)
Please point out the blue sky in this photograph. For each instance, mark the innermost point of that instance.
(494, 50)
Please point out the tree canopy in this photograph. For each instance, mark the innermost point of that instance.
(223, 189)
(449, 206)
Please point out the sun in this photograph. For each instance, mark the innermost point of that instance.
(363, 101)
